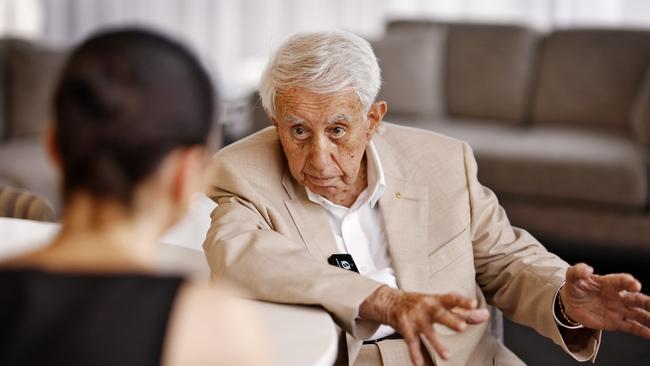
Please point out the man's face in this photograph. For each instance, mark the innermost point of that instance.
(324, 137)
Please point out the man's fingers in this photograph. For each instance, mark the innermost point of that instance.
(623, 281)
(449, 319)
(455, 300)
(639, 315)
(580, 279)
(472, 316)
(412, 339)
(430, 335)
(636, 300)
(580, 271)
(415, 351)
(636, 328)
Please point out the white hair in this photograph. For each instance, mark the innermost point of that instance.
(322, 62)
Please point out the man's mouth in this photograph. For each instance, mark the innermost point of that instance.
(321, 181)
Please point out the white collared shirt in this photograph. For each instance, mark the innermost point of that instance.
(359, 230)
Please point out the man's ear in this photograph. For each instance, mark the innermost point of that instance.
(51, 146)
(375, 115)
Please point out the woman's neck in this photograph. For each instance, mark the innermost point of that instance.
(103, 235)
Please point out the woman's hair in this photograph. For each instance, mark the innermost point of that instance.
(126, 99)
(322, 62)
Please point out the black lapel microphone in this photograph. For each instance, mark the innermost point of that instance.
(344, 261)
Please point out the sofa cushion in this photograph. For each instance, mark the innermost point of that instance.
(582, 225)
(32, 74)
(553, 162)
(641, 111)
(590, 77)
(489, 71)
(412, 71)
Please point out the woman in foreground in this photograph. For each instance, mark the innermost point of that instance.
(132, 113)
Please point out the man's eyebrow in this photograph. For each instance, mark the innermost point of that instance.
(339, 118)
(293, 120)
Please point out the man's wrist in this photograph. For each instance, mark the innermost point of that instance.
(377, 306)
(560, 313)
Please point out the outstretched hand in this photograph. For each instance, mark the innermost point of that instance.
(609, 302)
(414, 314)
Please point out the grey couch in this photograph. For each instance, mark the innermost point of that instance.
(28, 73)
(559, 121)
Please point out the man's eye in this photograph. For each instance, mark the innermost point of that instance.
(338, 131)
(299, 132)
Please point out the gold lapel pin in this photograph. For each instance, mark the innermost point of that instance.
(398, 194)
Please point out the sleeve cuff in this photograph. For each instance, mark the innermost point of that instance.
(555, 314)
(590, 351)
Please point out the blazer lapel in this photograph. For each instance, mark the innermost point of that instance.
(310, 219)
(405, 210)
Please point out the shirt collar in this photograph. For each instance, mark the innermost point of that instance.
(376, 178)
(376, 182)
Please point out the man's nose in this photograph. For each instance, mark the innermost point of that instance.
(321, 154)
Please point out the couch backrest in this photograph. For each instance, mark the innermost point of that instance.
(590, 77)
(29, 77)
(412, 59)
(490, 71)
(483, 71)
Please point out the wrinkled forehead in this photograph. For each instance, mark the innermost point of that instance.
(336, 118)
(300, 104)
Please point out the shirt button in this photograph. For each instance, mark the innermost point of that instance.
(398, 194)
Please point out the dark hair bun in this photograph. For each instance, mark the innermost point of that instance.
(125, 99)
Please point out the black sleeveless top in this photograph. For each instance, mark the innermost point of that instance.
(80, 319)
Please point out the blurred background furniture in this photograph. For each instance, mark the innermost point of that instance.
(559, 122)
(22, 204)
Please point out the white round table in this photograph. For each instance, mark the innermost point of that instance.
(300, 335)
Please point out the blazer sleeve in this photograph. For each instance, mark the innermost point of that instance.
(243, 246)
(516, 273)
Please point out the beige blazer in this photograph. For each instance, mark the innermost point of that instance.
(445, 232)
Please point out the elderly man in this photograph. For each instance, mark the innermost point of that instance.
(330, 190)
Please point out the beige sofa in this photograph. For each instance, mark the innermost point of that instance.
(559, 121)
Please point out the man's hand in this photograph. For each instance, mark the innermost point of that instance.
(610, 302)
(413, 314)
